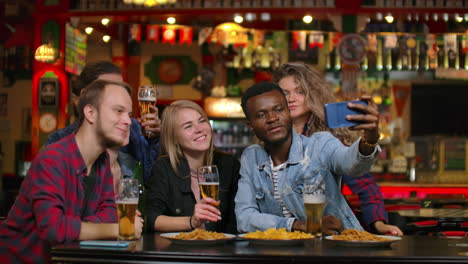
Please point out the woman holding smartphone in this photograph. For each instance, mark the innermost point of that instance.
(173, 194)
(307, 91)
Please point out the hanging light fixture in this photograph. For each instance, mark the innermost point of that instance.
(89, 30)
(150, 3)
(389, 18)
(106, 38)
(171, 20)
(307, 19)
(45, 53)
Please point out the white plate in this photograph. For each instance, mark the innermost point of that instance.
(358, 243)
(275, 242)
(171, 236)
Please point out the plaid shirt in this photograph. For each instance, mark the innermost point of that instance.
(48, 208)
(140, 148)
(370, 198)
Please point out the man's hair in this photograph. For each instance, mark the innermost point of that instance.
(92, 95)
(170, 142)
(91, 72)
(257, 89)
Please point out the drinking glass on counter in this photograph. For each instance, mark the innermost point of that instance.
(147, 98)
(314, 203)
(208, 180)
(127, 201)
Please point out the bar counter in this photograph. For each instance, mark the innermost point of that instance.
(154, 248)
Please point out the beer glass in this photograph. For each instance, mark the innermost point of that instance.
(146, 98)
(314, 203)
(208, 180)
(126, 200)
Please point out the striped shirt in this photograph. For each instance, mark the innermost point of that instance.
(276, 194)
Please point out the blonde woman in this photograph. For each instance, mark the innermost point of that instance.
(307, 91)
(173, 201)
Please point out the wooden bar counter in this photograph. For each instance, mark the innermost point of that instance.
(154, 248)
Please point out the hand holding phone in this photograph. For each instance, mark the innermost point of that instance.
(335, 114)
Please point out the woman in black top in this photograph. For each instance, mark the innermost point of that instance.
(173, 195)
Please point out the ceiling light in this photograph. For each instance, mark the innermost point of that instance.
(238, 19)
(265, 16)
(89, 30)
(466, 17)
(458, 18)
(389, 18)
(171, 20)
(106, 38)
(435, 17)
(105, 21)
(426, 17)
(307, 19)
(416, 17)
(409, 17)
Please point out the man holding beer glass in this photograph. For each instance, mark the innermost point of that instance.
(68, 193)
(142, 149)
(274, 176)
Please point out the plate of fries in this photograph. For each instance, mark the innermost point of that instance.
(276, 237)
(198, 237)
(357, 238)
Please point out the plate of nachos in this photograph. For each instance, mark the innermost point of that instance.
(198, 237)
(357, 238)
(276, 237)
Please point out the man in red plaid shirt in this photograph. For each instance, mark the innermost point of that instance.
(50, 208)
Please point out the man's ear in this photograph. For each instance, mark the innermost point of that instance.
(90, 113)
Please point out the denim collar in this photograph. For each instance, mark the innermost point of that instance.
(296, 153)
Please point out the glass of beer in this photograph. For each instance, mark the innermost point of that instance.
(126, 200)
(314, 203)
(147, 98)
(208, 180)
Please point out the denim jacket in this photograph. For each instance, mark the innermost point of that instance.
(310, 159)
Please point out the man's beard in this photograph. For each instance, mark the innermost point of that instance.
(106, 141)
(280, 141)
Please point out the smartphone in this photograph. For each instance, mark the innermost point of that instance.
(104, 243)
(335, 114)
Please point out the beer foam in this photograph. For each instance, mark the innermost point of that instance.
(127, 201)
(209, 183)
(314, 199)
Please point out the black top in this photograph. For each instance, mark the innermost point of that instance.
(169, 193)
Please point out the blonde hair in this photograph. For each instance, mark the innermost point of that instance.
(317, 93)
(170, 143)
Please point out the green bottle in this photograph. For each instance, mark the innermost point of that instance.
(142, 195)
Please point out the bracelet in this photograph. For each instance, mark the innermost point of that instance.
(190, 222)
(372, 145)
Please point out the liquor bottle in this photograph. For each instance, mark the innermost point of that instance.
(452, 57)
(416, 57)
(379, 55)
(440, 57)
